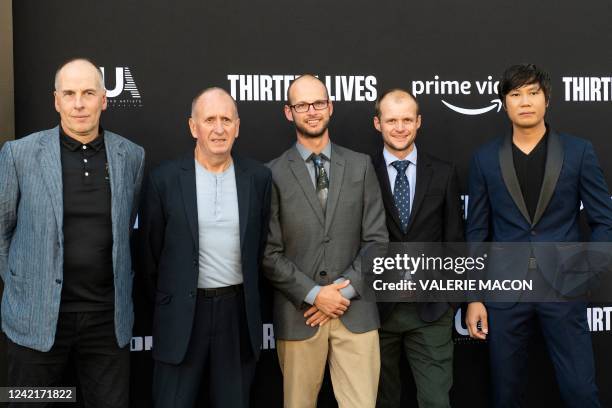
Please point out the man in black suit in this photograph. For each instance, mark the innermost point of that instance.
(204, 225)
(421, 199)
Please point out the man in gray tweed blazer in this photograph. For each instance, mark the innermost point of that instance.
(326, 210)
(67, 200)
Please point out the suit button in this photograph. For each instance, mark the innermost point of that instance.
(533, 232)
(192, 294)
(326, 239)
(195, 262)
(323, 273)
(58, 281)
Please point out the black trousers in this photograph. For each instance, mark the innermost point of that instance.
(219, 364)
(88, 339)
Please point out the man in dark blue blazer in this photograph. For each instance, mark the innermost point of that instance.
(527, 187)
(204, 224)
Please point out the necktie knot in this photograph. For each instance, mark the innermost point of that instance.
(317, 159)
(401, 165)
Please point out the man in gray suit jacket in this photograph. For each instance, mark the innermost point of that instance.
(326, 210)
(67, 200)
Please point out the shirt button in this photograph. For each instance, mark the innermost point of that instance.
(84, 160)
(84, 147)
(86, 174)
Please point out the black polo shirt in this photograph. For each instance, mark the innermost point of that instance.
(530, 172)
(88, 236)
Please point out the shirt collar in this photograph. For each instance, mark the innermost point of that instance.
(390, 158)
(74, 145)
(305, 153)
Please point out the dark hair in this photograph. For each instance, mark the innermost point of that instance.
(390, 91)
(520, 75)
(302, 76)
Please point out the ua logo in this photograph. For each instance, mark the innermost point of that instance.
(125, 92)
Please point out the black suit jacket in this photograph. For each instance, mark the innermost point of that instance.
(170, 246)
(435, 216)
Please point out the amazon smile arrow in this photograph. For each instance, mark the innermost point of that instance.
(478, 111)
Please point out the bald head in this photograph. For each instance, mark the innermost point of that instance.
(211, 95)
(396, 95)
(306, 84)
(79, 67)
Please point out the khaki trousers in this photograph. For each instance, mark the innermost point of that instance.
(354, 365)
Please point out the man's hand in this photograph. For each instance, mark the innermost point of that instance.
(315, 317)
(477, 312)
(330, 301)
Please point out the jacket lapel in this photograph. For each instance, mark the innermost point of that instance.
(554, 162)
(298, 167)
(423, 177)
(115, 158)
(243, 188)
(383, 178)
(188, 190)
(336, 170)
(506, 163)
(51, 165)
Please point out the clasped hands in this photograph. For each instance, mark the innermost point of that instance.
(329, 304)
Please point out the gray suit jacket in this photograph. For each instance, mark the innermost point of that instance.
(31, 234)
(306, 247)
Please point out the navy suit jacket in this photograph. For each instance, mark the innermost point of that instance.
(169, 249)
(497, 210)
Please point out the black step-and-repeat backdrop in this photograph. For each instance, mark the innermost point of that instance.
(157, 54)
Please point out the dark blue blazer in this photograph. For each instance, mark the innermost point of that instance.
(497, 210)
(169, 249)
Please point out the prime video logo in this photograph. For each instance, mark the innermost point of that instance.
(445, 88)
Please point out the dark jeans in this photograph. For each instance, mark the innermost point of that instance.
(219, 364)
(88, 338)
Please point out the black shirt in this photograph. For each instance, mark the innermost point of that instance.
(88, 237)
(530, 172)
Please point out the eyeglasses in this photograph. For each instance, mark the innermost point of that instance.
(305, 107)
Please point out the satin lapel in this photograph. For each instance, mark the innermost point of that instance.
(190, 200)
(298, 167)
(51, 164)
(506, 163)
(554, 162)
(243, 188)
(385, 188)
(336, 170)
(423, 177)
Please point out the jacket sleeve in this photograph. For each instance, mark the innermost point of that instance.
(9, 199)
(595, 197)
